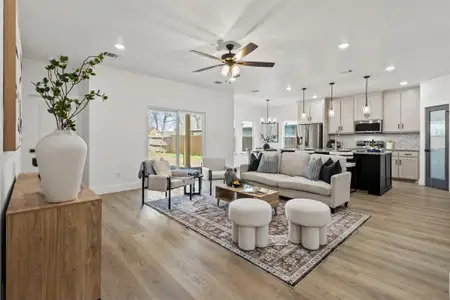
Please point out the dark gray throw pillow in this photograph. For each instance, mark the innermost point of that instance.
(329, 162)
(254, 162)
(328, 171)
(312, 170)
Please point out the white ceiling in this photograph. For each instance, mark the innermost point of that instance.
(300, 36)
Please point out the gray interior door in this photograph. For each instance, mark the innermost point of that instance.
(436, 147)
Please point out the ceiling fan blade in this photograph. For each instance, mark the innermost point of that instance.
(245, 51)
(204, 69)
(206, 55)
(263, 64)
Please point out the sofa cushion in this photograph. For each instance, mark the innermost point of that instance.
(255, 159)
(312, 170)
(268, 163)
(264, 178)
(293, 163)
(325, 157)
(328, 171)
(306, 185)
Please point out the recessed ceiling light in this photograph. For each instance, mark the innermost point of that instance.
(344, 46)
(390, 68)
(404, 82)
(289, 88)
(315, 96)
(119, 46)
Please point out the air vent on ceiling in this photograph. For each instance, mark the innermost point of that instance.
(110, 54)
(217, 82)
(346, 72)
(255, 91)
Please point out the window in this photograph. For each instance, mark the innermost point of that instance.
(290, 134)
(176, 136)
(247, 135)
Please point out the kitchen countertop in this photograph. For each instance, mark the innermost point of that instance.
(408, 150)
(373, 153)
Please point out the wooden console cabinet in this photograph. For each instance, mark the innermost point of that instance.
(53, 251)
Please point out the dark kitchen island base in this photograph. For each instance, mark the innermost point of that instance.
(373, 172)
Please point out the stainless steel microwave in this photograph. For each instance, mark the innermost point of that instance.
(369, 126)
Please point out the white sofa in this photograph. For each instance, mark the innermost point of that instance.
(290, 182)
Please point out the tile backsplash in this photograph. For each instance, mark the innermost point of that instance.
(406, 141)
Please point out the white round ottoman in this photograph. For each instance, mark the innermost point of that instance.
(307, 220)
(250, 218)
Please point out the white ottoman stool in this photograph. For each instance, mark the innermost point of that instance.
(250, 218)
(307, 220)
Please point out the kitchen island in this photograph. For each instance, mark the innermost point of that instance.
(373, 171)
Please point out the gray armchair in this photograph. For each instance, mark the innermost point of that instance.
(214, 168)
(153, 182)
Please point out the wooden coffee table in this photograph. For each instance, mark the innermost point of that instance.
(229, 193)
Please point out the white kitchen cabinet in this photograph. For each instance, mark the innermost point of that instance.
(401, 111)
(343, 116)
(405, 165)
(394, 166)
(314, 110)
(408, 168)
(391, 112)
(375, 102)
(347, 119)
(334, 123)
(410, 110)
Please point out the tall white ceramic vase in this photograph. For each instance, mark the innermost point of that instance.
(61, 156)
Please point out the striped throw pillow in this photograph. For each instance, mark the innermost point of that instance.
(312, 170)
(268, 163)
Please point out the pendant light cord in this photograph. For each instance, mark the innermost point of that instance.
(367, 84)
(267, 111)
(303, 89)
(331, 101)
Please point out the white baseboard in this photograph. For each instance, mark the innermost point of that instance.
(117, 188)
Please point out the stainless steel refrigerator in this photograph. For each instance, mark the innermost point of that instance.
(310, 136)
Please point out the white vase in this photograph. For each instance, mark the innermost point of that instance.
(61, 156)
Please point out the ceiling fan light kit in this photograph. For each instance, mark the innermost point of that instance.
(230, 61)
(366, 108)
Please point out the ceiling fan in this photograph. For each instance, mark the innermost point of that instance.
(230, 61)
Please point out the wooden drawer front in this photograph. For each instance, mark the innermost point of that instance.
(408, 154)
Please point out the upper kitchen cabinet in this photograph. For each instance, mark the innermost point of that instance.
(342, 121)
(314, 110)
(410, 110)
(375, 103)
(401, 111)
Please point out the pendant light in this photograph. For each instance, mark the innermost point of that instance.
(303, 111)
(268, 119)
(366, 109)
(331, 111)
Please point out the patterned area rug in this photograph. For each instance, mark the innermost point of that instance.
(284, 260)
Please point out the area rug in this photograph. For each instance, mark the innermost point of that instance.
(284, 260)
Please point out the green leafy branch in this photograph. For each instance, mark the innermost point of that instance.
(56, 87)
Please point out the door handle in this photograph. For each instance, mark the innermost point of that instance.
(427, 150)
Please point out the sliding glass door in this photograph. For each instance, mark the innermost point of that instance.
(176, 136)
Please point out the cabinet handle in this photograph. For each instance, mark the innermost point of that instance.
(398, 126)
(403, 126)
(400, 162)
(395, 162)
(408, 154)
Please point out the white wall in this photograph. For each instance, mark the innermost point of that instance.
(118, 127)
(433, 92)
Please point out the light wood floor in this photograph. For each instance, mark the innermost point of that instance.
(402, 252)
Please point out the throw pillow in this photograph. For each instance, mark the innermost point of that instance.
(268, 163)
(254, 162)
(312, 170)
(328, 171)
(329, 162)
(162, 168)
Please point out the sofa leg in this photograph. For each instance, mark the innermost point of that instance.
(333, 210)
(210, 187)
(190, 192)
(346, 204)
(170, 200)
